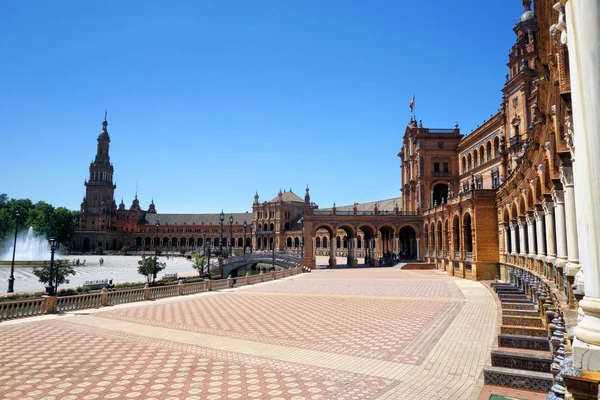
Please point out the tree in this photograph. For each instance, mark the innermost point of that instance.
(199, 263)
(149, 266)
(125, 249)
(63, 223)
(62, 269)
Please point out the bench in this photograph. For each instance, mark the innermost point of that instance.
(172, 277)
(97, 284)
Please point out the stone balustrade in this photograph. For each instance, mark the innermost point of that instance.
(52, 304)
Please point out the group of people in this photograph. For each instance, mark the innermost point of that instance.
(75, 262)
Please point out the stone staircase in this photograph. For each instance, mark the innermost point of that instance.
(523, 359)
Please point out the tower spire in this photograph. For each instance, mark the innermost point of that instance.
(527, 5)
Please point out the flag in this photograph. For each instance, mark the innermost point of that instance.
(412, 104)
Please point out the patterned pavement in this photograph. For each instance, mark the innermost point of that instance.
(347, 334)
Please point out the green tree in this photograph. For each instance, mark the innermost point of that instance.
(63, 223)
(199, 263)
(62, 270)
(149, 266)
(125, 249)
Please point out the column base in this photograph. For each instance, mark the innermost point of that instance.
(560, 262)
(572, 268)
(551, 259)
(586, 356)
(541, 257)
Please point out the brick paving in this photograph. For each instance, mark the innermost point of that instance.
(347, 334)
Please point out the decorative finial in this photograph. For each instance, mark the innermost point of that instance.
(105, 112)
(527, 5)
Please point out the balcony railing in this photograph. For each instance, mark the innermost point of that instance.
(330, 212)
(440, 173)
(515, 140)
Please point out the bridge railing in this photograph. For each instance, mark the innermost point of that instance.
(52, 304)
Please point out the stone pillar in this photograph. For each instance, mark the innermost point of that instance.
(530, 219)
(505, 234)
(521, 222)
(566, 177)
(549, 223)
(332, 243)
(583, 28)
(418, 255)
(354, 254)
(561, 227)
(513, 237)
(540, 234)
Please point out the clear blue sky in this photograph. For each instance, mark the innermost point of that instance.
(209, 101)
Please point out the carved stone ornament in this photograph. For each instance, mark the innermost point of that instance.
(569, 132)
(548, 206)
(566, 175)
(540, 170)
(558, 31)
(558, 197)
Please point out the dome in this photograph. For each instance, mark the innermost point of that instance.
(104, 132)
(527, 15)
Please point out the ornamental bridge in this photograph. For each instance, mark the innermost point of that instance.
(367, 235)
(236, 265)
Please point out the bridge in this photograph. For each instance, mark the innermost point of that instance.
(280, 259)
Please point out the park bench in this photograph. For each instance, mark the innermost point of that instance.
(97, 284)
(171, 277)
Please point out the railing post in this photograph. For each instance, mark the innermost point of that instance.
(104, 297)
(274, 274)
(208, 285)
(262, 277)
(146, 292)
(247, 279)
(180, 287)
(49, 304)
(229, 281)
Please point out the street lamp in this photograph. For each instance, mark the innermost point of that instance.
(157, 225)
(204, 242)
(245, 225)
(208, 263)
(11, 280)
(273, 261)
(251, 226)
(221, 218)
(230, 232)
(192, 244)
(302, 236)
(50, 290)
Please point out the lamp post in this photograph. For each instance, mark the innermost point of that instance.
(273, 260)
(221, 218)
(251, 226)
(53, 247)
(11, 280)
(302, 237)
(208, 262)
(157, 225)
(192, 244)
(204, 242)
(245, 225)
(230, 233)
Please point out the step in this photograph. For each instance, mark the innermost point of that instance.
(490, 392)
(523, 331)
(517, 306)
(521, 313)
(518, 379)
(524, 342)
(509, 291)
(507, 296)
(524, 301)
(530, 360)
(535, 322)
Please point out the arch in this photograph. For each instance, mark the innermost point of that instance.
(514, 213)
(464, 164)
(456, 233)
(348, 229)
(182, 242)
(481, 155)
(296, 242)
(438, 235)
(200, 242)
(209, 242)
(86, 245)
(147, 241)
(345, 242)
(272, 227)
(266, 227)
(475, 158)
(174, 242)
(271, 243)
(496, 146)
(288, 242)
(338, 242)
(165, 242)
(265, 244)
(539, 194)
(240, 242)
(426, 236)
(407, 236)
(467, 233)
(439, 193)
(469, 162)
(488, 147)
(328, 227)
(286, 227)
(317, 242)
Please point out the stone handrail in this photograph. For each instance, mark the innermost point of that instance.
(52, 304)
(21, 308)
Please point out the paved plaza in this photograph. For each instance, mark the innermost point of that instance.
(330, 334)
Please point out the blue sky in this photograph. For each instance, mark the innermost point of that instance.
(210, 101)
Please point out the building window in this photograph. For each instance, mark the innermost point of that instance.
(436, 167)
(421, 145)
(440, 145)
(446, 169)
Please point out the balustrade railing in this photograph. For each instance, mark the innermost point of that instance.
(51, 304)
(21, 308)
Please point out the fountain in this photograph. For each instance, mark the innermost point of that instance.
(30, 248)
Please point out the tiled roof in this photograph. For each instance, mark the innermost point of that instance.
(382, 205)
(196, 219)
(288, 196)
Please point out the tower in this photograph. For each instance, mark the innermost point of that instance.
(98, 207)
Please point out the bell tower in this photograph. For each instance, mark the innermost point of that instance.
(98, 207)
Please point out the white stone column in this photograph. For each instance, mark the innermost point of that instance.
(513, 237)
(561, 227)
(540, 234)
(418, 255)
(549, 222)
(505, 234)
(530, 219)
(583, 28)
(522, 223)
(566, 177)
